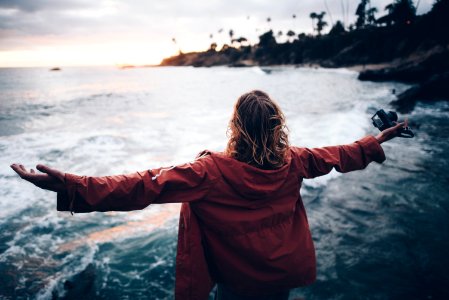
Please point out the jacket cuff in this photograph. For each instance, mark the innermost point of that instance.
(65, 201)
(372, 149)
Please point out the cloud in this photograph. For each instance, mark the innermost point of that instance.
(78, 16)
(42, 5)
(32, 24)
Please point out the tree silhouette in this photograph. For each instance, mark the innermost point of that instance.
(387, 19)
(231, 35)
(290, 34)
(313, 16)
(176, 44)
(338, 28)
(293, 22)
(268, 22)
(240, 41)
(279, 34)
(267, 40)
(302, 36)
(390, 8)
(224, 48)
(401, 12)
(361, 14)
(404, 12)
(213, 47)
(370, 15)
(320, 24)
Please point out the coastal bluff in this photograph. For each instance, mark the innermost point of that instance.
(414, 52)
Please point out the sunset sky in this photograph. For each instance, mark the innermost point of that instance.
(112, 32)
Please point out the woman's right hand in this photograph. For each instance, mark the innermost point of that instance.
(391, 132)
(50, 179)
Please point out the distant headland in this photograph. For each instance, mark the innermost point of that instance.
(399, 46)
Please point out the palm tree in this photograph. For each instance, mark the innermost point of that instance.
(361, 14)
(231, 34)
(176, 44)
(279, 34)
(290, 34)
(390, 8)
(320, 24)
(268, 21)
(293, 22)
(241, 40)
(313, 16)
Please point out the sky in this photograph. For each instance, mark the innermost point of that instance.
(54, 33)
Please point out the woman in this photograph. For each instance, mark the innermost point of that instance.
(242, 224)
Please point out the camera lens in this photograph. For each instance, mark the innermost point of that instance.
(392, 116)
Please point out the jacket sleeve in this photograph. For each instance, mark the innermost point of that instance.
(344, 158)
(183, 183)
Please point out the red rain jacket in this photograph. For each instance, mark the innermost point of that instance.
(239, 225)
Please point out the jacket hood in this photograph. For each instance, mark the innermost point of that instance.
(249, 181)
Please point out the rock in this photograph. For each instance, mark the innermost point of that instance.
(416, 68)
(81, 286)
(242, 64)
(435, 88)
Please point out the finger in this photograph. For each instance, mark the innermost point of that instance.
(18, 170)
(14, 167)
(406, 122)
(32, 171)
(398, 125)
(50, 171)
(44, 169)
(23, 168)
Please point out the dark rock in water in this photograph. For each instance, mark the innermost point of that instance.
(242, 64)
(81, 286)
(415, 69)
(55, 69)
(436, 88)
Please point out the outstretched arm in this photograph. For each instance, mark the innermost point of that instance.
(183, 183)
(344, 158)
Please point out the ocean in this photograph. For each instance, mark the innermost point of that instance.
(380, 233)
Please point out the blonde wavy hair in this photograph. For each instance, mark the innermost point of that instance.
(257, 131)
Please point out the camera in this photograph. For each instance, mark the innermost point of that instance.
(383, 120)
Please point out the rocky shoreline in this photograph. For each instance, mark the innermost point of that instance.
(416, 53)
